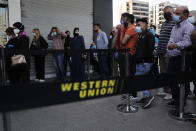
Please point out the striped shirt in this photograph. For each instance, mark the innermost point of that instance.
(180, 35)
(164, 36)
(58, 41)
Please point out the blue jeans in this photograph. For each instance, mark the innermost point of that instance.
(58, 60)
(143, 69)
(103, 65)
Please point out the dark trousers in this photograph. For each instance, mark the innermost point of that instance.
(175, 65)
(103, 65)
(40, 67)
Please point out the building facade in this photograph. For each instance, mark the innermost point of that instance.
(139, 9)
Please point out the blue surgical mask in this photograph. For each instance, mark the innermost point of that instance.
(122, 22)
(191, 20)
(33, 34)
(54, 34)
(138, 29)
(176, 18)
(152, 31)
(110, 36)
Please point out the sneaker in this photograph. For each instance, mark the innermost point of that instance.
(161, 94)
(148, 102)
(168, 97)
(192, 96)
(141, 101)
(41, 81)
(132, 98)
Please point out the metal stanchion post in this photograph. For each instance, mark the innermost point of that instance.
(181, 115)
(129, 106)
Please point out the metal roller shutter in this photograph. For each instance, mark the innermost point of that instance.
(65, 14)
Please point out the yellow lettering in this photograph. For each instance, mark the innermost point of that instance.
(97, 92)
(66, 87)
(110, 91)
(98, 84)
(82, 94)
(83, 85)
(103, 91)
(76, 86)
(112, 83)
(91, 93)
(91, 83)
(104, 83)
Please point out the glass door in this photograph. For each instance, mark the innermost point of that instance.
(3, 24)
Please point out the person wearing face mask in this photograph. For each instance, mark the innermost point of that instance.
(144, 56)
(77, 59)
(191, 19)
(102, 43)
(11, 44)
(179, 40)
(23, 45)
(67, 47)
(121, 32)
(129, 41)
(39, 43)
(58, 39)
(164, 37)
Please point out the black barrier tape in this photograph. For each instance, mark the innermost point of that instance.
(9, 52)
(21, 97)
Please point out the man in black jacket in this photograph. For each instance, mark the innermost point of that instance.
(144, 56)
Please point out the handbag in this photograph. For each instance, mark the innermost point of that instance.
(18, 59)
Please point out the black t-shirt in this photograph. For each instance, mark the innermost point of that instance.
(145, 46)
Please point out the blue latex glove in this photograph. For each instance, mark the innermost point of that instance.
(11, 46)
(116, 55)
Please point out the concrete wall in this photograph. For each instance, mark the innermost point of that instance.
(103, 14)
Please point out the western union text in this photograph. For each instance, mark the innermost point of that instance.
(90, 88)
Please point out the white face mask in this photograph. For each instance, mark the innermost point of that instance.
(16, 31)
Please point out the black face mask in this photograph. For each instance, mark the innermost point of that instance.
(76, 34)
(167, 16)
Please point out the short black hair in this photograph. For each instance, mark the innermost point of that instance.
(54, 28)
(125, 14)
(130, 18)
(10, 30)
(186, 11)
(97, 24)
(144, 20)
(19, 25)
(153, 26)
(168, 7)
(76, 28)
(67, 31)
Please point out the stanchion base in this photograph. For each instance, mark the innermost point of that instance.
(127, 108)
(186, 116)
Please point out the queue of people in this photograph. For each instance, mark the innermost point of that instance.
(147, 51)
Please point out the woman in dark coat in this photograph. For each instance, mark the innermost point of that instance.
(77, 65)
(23, 45)
(11, 45)
(39, 43)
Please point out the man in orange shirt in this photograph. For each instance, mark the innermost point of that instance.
(121, 31)
(129, 42)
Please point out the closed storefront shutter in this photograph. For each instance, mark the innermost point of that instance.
(65, 14)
